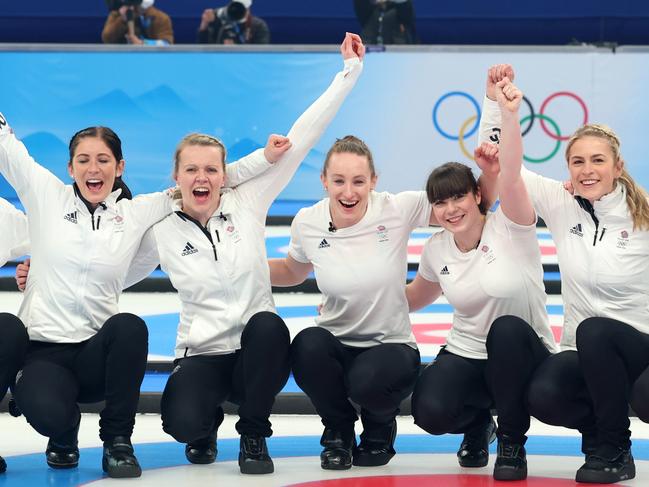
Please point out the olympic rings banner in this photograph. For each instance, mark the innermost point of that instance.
(416, 110)
(471, 124)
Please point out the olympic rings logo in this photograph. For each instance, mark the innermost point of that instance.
(471, 124)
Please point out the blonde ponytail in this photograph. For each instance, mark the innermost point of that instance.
(636, 200)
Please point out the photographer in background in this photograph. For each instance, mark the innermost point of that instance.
(233, 24)
(137, 22)
(386, 21)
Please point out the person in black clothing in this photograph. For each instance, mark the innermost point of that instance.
(233, 24)
(386, 21)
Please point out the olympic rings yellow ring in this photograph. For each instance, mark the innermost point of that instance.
(460, 137)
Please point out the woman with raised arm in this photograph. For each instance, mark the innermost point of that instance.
(362, 347)
(231, 344)
(602, 238)
(488, 266)
(83, 238)
(14, 243)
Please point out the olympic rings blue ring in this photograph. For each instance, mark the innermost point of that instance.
(468, 97)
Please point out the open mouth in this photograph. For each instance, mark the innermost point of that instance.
(94, 185)
(455, 219)
(201, 194)
(589, 182)
(348, 204)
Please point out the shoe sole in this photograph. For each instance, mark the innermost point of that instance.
(121, 472)
(200, 461)
(469, 464)
(371, 460)
(62, 466)
(249, 470)
(510, 473)
(256, 468)
(598, 477)
(327, 464)
(335, 466)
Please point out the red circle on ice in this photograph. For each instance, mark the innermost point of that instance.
(434, 481)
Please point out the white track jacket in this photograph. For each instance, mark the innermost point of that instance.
(604, 262)
(79, 260)
(221, 271)
(14, 241)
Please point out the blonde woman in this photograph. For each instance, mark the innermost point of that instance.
(602, 238)
(231, 344)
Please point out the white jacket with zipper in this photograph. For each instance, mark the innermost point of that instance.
(14, 241)
(221, 270)
(80, 260)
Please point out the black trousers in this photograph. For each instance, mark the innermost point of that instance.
(514, 353)
(376, 378)
(14, 341)
(451, 395)
(613, 356)
(558, 395)
(110, 366)
(251, 377)
(590, 389)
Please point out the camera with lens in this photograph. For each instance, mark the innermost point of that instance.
(117, 4)
(234, 12)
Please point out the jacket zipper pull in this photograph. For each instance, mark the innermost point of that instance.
(602, 234)
(214, 249)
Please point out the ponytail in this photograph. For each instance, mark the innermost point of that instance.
(120, 184)
(636, 200)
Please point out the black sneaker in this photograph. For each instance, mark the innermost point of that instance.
(119, 459)
(338, 450)
(202, 451)
(376, 447)
(511, 463)
(602, 467)
(63, 451)
(3, 465)
(253, 455)
(474, 450)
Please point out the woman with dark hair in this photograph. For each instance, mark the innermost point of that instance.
(14, 243)
(362, 348)
(488, 266)
(602, 237)
(231, 344)
(83, 239)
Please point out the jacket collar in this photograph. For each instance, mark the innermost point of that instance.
(110, 201)
(611, 205)
(223, 211)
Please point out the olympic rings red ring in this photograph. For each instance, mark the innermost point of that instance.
(556, 95)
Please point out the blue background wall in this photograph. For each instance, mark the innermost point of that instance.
(410, 107)
(307, 22)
